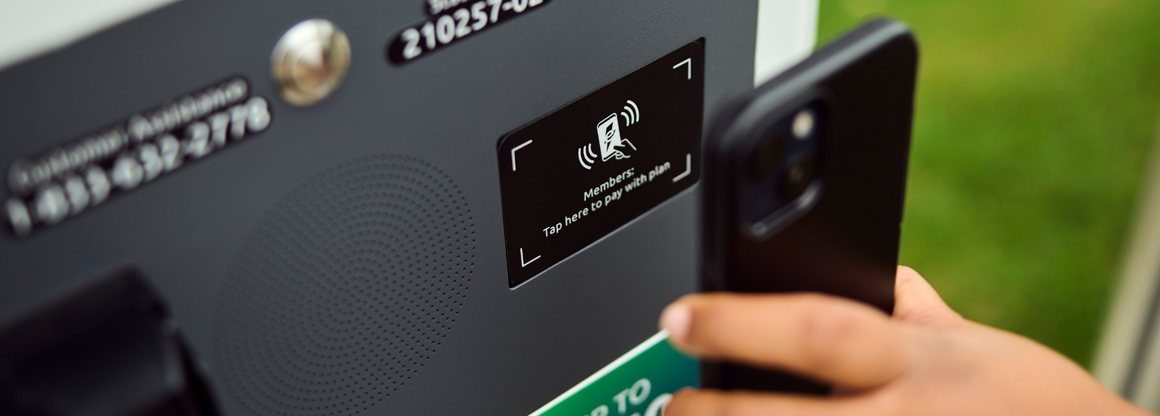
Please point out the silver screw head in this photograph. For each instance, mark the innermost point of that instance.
(310, 61)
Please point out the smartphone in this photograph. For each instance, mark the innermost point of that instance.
(804, 181)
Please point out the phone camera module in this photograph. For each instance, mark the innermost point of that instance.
(784, 163)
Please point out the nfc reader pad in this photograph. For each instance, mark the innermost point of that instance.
(583, 171)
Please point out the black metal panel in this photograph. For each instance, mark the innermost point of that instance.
(509, 351)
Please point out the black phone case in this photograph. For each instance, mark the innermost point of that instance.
(846, 242)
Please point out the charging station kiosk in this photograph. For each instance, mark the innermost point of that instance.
(392, 207)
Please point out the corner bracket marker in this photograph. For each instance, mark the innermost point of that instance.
(688, 168)
(689, 62)
(514, 153)
(522, 262)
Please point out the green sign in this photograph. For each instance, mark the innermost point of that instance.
(639, 383)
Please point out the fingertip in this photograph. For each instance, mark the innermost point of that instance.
(676, 319)
(684, 391)
(916, 301)
(691, 401)
(907, 273)
(907, 282)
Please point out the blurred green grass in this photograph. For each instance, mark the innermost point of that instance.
(1033, 125)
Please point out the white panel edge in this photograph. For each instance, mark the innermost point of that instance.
(30, 28)
(1129, 305)
(787, 31)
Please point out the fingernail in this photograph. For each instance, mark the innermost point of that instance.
(676, 319)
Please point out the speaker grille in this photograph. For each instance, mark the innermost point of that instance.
(345, 289)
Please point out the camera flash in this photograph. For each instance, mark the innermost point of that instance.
(803, 124)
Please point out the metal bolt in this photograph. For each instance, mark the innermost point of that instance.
(310, 61)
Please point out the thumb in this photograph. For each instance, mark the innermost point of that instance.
(915, 301)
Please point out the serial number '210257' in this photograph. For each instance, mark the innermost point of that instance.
(453, 24)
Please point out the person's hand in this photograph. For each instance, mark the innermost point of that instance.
(925, 360)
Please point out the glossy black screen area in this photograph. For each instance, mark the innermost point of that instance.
(579, 173)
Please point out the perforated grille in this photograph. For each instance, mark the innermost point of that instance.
(345, 289)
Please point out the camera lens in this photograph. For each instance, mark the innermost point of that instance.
(803, 124)
(767, 155)
(798, 175)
